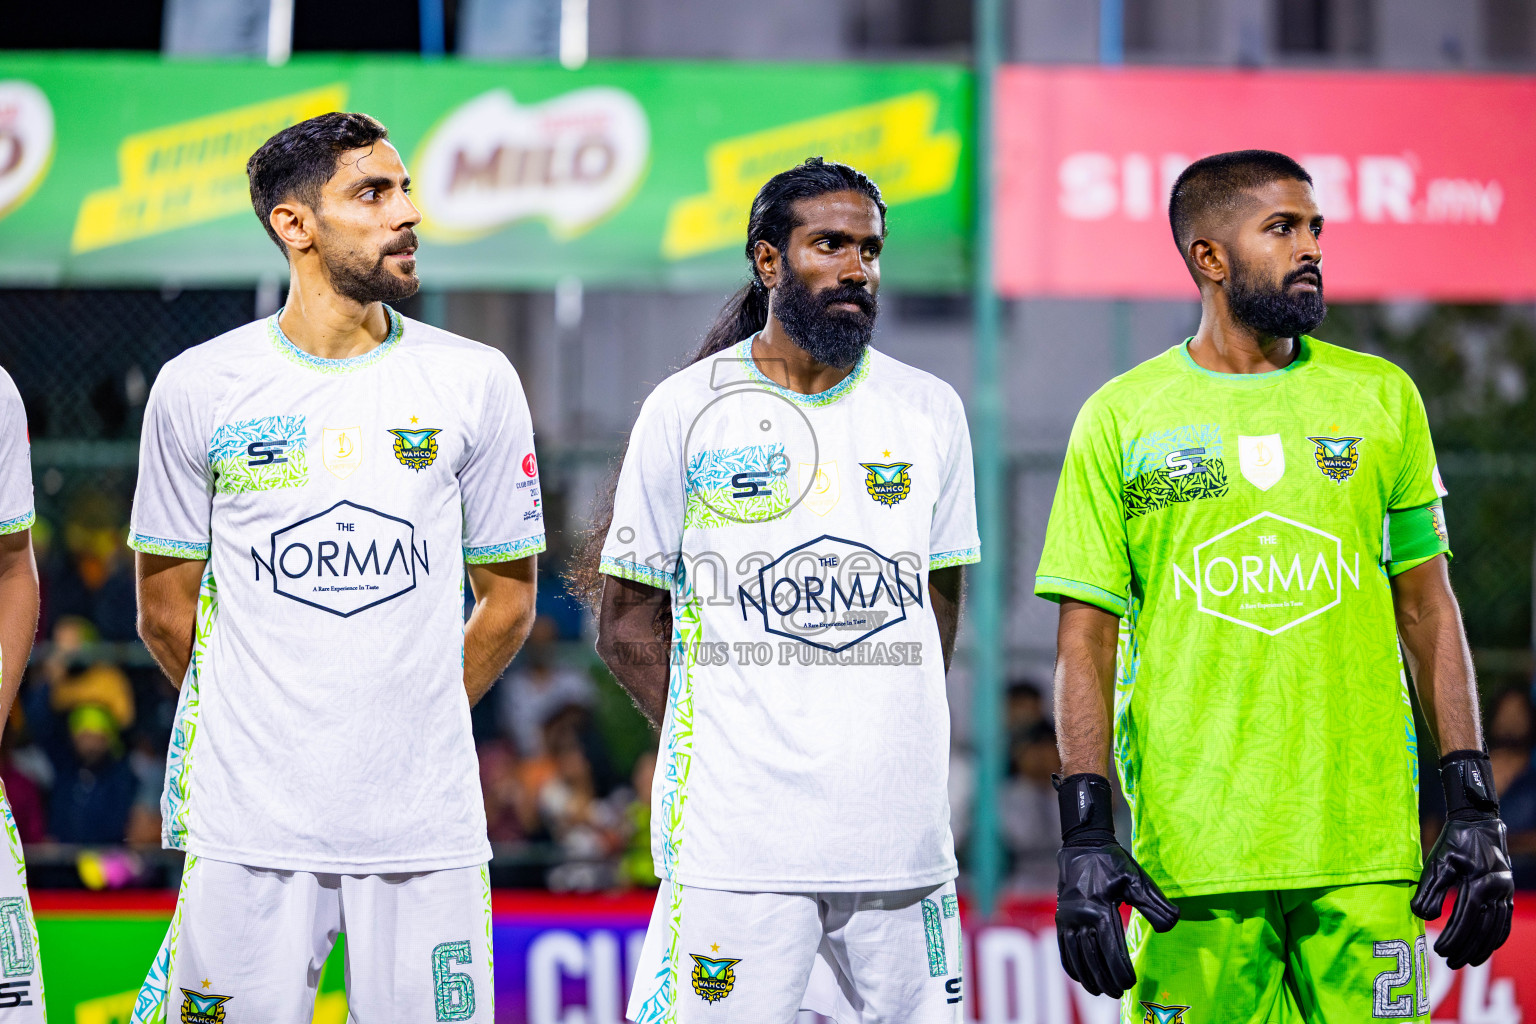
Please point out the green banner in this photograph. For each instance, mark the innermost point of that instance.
(130, 170)
(94, 963)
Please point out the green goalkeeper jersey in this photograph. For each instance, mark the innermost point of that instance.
(1245, 527)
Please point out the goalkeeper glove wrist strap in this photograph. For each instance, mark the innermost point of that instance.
(1467, 776)
(1086, 816)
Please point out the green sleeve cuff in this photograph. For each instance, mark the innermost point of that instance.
(1054, 588)
(1398, 568)
(638, 573)
(1413, 536)
(947, 559)
(508, 552)
(21, 522)
(188, 549)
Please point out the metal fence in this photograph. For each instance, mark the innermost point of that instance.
(84, 361)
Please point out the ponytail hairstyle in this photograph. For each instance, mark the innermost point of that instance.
(772, 220)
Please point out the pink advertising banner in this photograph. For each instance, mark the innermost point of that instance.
(1427, 182)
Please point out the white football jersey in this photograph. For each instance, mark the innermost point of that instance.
(323, 724)
(806, 740)
(15, 460)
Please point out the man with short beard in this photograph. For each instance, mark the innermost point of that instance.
(794, 510)
(312, 488)
(1253, 519)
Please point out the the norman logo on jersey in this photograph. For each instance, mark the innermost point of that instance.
(260, 454)
(1172, 466)
(197, 1008)
(713, 980)
(416, 448)
(1337, 457)
(830, 593)
(887, 483)
(1268, 573)
(344, 560)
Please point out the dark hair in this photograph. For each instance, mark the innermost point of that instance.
(298, 161)
(745, 313)
(1215, 184)
(773, 219)
(1025, 688)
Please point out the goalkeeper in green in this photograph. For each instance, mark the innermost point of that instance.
(1245, 527)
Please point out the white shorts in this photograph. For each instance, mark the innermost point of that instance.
(246, 946)
(761, 957)
(21, 973)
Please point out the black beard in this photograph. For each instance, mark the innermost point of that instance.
(832, 337)
(355, 278)
(1276, 312)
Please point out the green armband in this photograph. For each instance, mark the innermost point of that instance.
(1414, 536)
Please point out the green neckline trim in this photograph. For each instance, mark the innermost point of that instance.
(294, 354)
(820, 398)
(1250, 380)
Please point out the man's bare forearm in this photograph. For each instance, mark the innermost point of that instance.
(1086, 637)
(634, 640)
(18, 613)
(506, 594)
(1435, 644)
(167, 595)
(946, 589)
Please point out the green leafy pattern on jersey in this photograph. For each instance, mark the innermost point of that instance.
(352, 364)
(676, 763)
(154, 995)
(262, 454)
(1143, 454)
(730, 486)
(1154, 491)
(178, 761)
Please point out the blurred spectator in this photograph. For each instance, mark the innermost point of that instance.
(92, 577)
(1511, 731)
(636, 867)
(147, 761)
(589, 828)
(511, 812)
(1031, 820)
(23, 794)
(74, 680)
(538, 686)
(1025, 707)
(95, 790)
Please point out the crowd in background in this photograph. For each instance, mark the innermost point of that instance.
(566, 762)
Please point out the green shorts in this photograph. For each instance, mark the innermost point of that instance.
(1324, 956)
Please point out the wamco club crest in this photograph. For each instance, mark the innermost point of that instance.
(713, 980)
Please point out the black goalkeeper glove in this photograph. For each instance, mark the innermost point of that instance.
(1470, 855)
(1097, 875)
